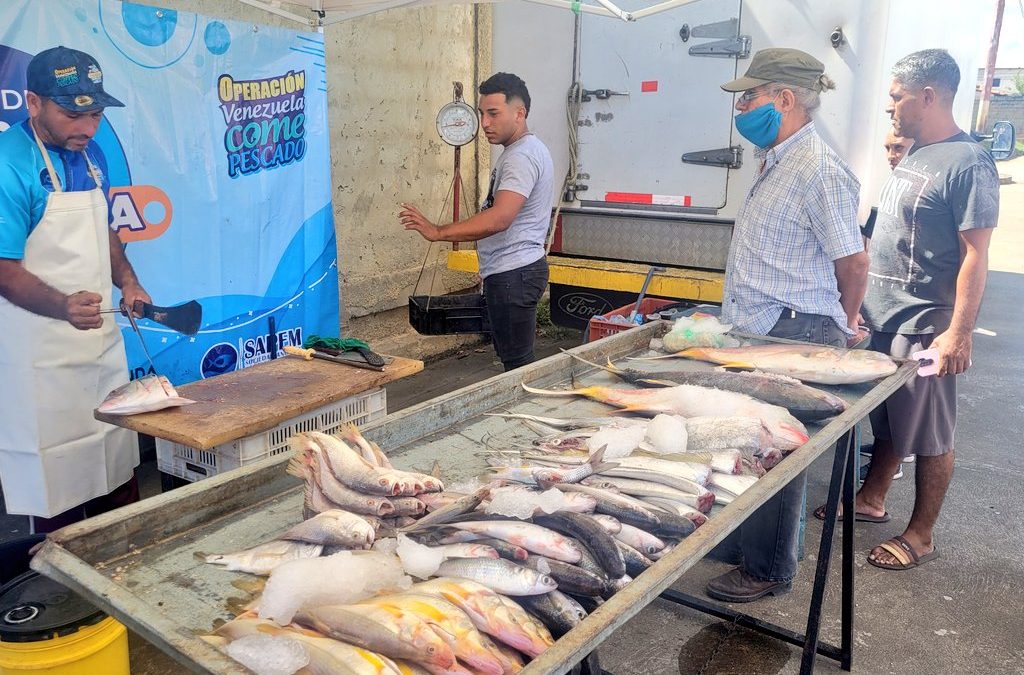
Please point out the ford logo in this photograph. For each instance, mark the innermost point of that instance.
(583, 305)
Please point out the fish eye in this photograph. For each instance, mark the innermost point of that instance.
(431, 650)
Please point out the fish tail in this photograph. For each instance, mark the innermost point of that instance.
(611, 368)
(557, 392)
(298, 466)
(597, 463)
(654, 358)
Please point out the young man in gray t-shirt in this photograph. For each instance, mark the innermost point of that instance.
(929, 261)
(512, 226)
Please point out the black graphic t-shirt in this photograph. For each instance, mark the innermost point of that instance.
(936, 192)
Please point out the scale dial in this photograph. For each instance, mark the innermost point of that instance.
(457, 123)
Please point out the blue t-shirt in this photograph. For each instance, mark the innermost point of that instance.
(25, 183)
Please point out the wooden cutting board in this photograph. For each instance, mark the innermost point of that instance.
(257, 398)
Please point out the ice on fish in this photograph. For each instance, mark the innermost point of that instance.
(523, 503)
(418, 560)
(143, 394)
(300, 583)
(667, 434)
(618, 441)
(269, 654)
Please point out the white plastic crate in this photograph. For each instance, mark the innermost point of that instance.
(194, 464)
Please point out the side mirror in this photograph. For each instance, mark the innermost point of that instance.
(1004, 139)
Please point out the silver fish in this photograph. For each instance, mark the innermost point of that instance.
(499, 575)
(262, 559)
(333, 528)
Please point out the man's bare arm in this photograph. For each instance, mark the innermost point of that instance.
(507, 205)
(123, 275)
(956, 342)
(852, 280)
(26, 290)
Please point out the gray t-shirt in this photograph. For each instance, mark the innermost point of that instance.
(936, 192)
(525, 168)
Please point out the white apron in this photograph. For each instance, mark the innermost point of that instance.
(53, 454)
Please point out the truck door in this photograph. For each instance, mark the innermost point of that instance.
(651, 95)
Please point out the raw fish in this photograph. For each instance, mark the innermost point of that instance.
(144, 394)
(808, 363)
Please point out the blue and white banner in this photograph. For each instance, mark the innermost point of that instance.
(219, 168)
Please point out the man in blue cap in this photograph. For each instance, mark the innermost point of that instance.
(59, 258)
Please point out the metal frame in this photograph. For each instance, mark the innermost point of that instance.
(844, 470)
(324, 17)
(120, 561)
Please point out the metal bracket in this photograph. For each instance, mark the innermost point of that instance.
(719, 29)
(730, 158)
(601, 94)
(735, 47)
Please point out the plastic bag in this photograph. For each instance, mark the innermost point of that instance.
(699, 330)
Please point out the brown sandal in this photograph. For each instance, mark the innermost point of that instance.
(907, 558)
(819, 513)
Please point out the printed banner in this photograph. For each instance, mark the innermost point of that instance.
(219, 169)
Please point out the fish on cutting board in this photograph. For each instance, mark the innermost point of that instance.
(143, 394)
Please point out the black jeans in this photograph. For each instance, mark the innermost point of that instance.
(769, 539)
(512, 309)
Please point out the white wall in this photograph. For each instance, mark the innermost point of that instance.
(536, 42)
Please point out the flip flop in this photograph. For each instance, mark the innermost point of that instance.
(819, 513)
(907, 558)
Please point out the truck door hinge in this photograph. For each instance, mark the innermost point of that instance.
(730, 158)
(718, 29)
(601, 94)
(731, 48)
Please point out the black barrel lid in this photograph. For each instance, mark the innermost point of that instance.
(35, 608)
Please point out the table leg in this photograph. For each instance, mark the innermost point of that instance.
(839, 470)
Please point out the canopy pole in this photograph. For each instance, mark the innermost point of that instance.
(657, 9)
(267, 7)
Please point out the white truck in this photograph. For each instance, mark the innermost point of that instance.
(660, 169)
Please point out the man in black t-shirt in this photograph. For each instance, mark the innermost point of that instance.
(929, 262)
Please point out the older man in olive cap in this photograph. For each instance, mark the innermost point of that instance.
(797, 269)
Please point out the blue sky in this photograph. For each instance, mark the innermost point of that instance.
(1011, 38)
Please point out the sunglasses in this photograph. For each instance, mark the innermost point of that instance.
(753, 94)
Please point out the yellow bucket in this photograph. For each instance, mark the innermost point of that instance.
(45, 628)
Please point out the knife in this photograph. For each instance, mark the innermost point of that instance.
(185, 318)
(310, 354)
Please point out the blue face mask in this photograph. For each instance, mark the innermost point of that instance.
(761, 125)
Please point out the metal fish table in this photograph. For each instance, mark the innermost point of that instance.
(138, 564)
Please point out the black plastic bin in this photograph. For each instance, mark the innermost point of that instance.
(449, 314)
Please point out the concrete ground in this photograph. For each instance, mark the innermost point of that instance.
(958, 614)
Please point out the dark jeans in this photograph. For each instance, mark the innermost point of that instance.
(769, 539)
(512, 309)
(123, 495)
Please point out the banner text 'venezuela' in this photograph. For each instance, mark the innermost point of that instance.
(265, 121)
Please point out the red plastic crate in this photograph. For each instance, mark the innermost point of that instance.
(598, 329)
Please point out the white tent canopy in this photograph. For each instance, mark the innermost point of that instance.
(323, 12)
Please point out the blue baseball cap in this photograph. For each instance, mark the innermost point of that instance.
(70, 78)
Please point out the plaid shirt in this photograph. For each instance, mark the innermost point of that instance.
(799, 216)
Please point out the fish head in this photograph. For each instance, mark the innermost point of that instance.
(789, 436)
(546, 582)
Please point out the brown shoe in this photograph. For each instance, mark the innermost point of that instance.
(738, 586)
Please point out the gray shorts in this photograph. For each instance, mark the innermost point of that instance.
(920, 417)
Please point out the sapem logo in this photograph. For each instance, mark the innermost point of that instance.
(258, 349)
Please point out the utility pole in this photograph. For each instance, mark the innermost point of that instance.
(981, 123)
